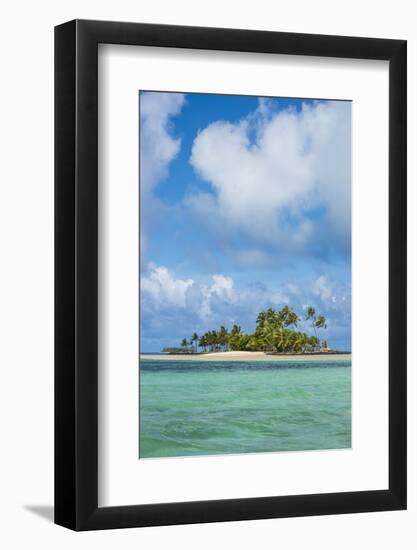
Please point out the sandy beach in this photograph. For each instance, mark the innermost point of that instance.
(246, 356)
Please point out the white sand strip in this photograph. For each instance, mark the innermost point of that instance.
(246, 356)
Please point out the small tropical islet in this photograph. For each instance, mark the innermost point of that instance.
(275, 338)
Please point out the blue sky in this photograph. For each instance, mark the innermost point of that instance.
(245, 204)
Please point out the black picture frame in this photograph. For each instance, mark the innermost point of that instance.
(76, 272)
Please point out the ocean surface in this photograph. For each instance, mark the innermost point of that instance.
(210, 408)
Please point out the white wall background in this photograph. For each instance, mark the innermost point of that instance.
(26, 289)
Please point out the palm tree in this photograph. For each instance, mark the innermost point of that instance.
(202, 342)
(223, 337)
(320, 322)
(279, 340)
(235, 337)
(285, 342)
(311, 314)
(313, 342)
(184, 343)
(268, 338)
(260, 320)
(300, 341)
(212, 340)
(292, 318)
(194, 338)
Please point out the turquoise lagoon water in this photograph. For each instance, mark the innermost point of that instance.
(209, 408)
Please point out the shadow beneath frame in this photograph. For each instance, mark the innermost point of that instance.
(45, 512)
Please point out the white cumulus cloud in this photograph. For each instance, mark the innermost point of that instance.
(158, 148)
(273, 171)
(157, 145)
(164, 289)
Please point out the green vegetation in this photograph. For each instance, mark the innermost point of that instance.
(275, 333)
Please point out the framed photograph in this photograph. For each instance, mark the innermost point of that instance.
(230, 245)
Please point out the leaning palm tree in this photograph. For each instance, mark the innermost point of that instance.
(320, 322)
(311, 313)
(293, 318)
